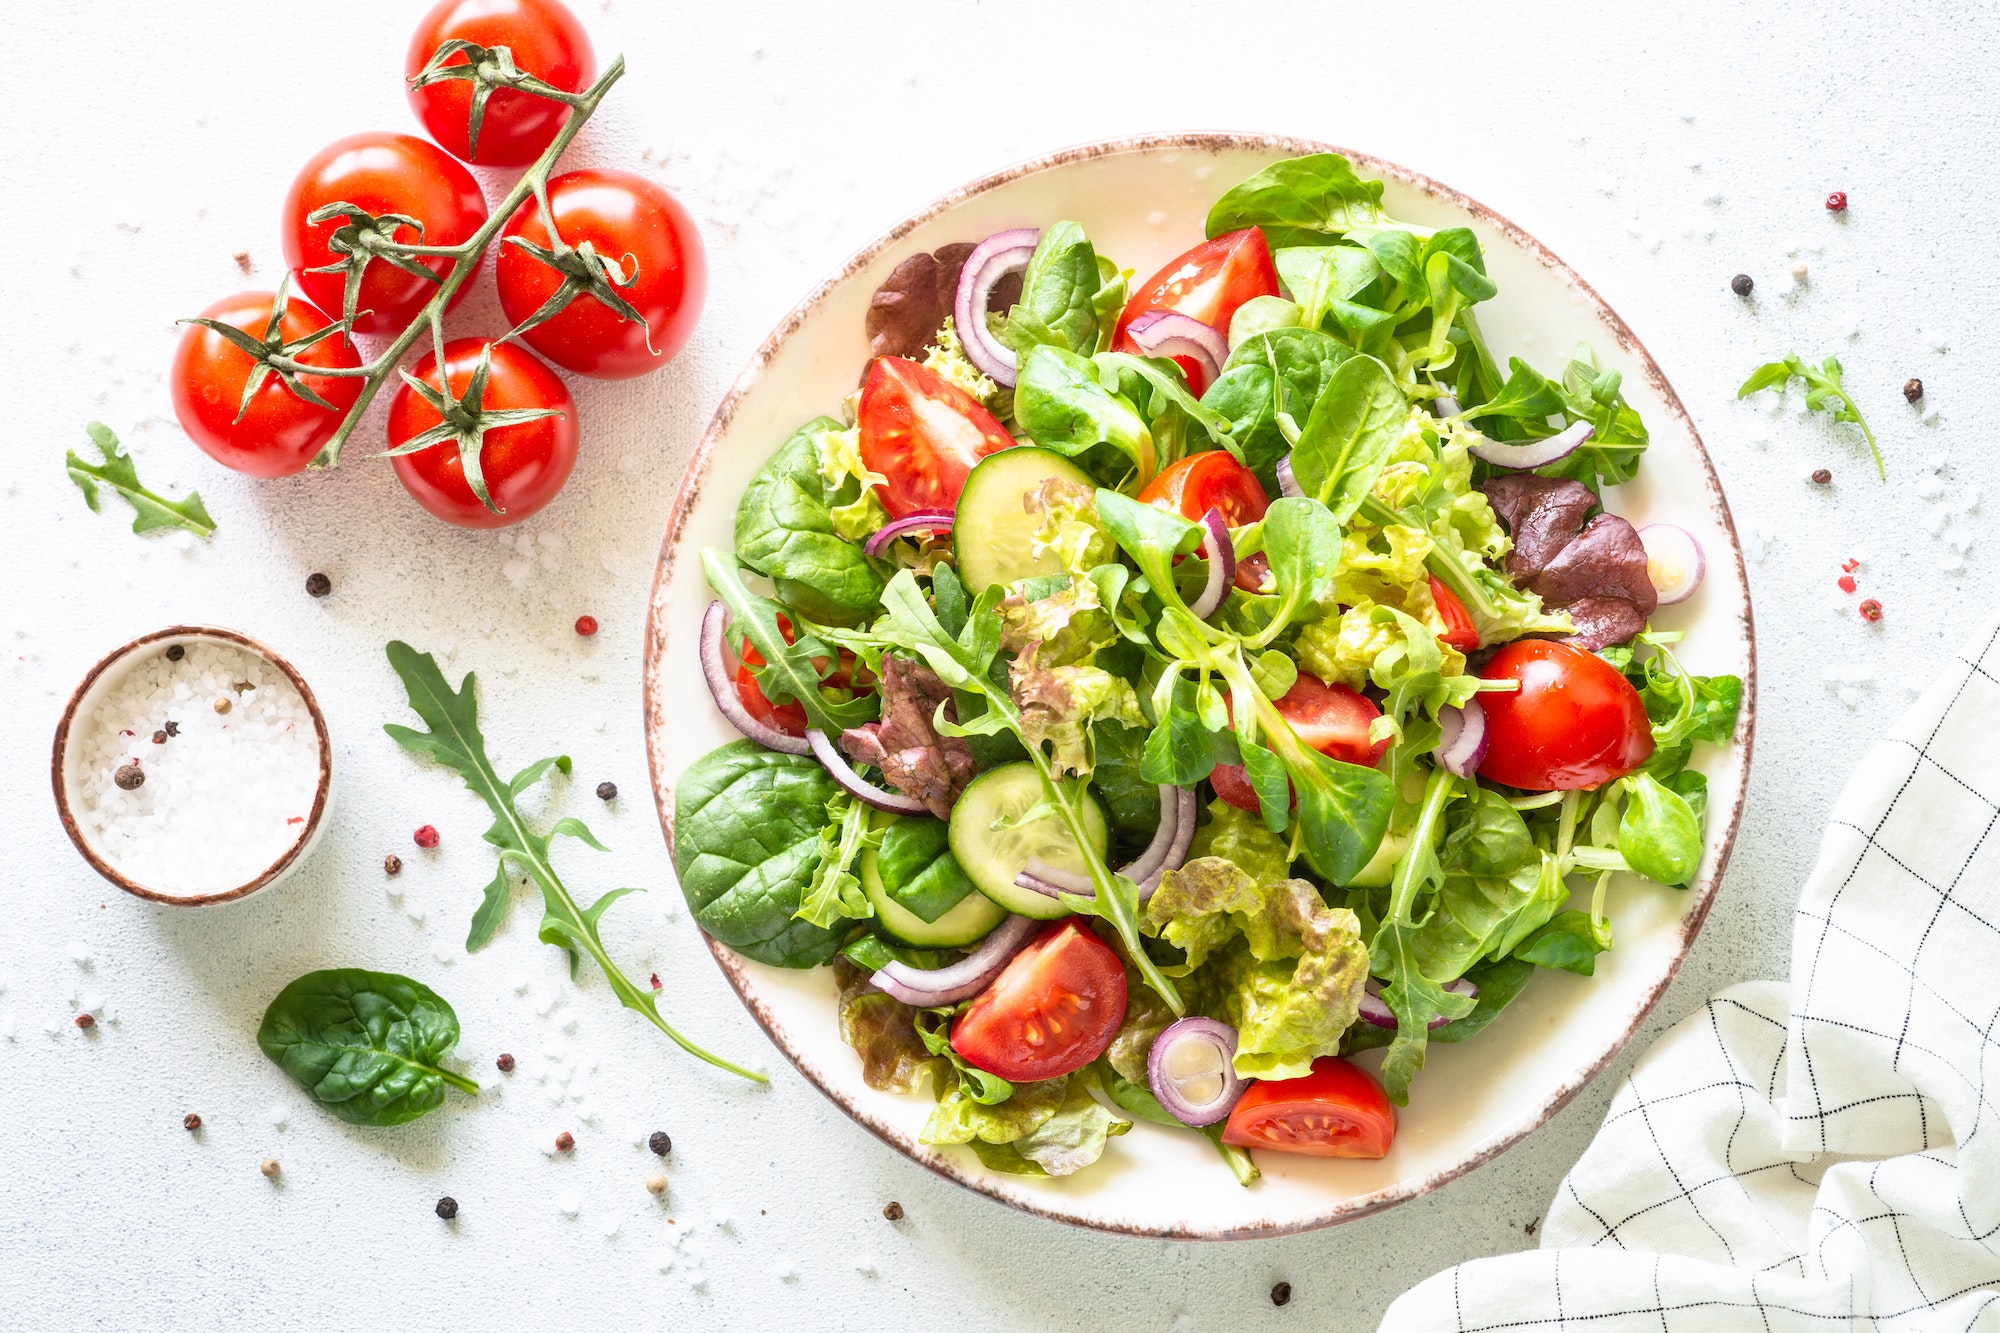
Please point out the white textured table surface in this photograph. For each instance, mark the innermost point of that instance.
(1657, 152)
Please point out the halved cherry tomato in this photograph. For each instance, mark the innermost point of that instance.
(1459, 631)
(1331, 718)
(1576, 722)
(1335, 1111)
(1252, 571)
(545, 39)
(281, 432)
(1207, 283)
(789, 718)
(1208, 480)
(1052, 1010)
(923, 433)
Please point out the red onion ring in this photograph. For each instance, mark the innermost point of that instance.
(1374, 1011)
(932, 519)
(1287, 483)
(966, 977)
(1221, 554)
(1685, 564)
(1169, 333)
(1445, 405)
(991, 260)
(860, 788)
(715, 670)
(1180, 813)
(1535, 453)
(1463, 745)
(1207, 1032)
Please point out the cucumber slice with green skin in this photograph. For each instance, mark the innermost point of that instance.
(993, 534)
(967, 921)
(1381, 868)
(994, 856)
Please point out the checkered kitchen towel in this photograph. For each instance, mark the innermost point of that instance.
(1823, 1155)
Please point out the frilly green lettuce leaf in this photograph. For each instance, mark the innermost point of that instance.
(1243, 837)
(957, 1118)
(1059, 703)
(1065, 1143)
(882, 1030)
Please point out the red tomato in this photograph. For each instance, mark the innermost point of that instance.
(281, 432)
(545, 40)
(923, 433)
(1252, 571)
(1054, 1009)
(1207, 283)
(1335, 1111)
(1208, 480)
(1459, 631)
(628, 220)
(1576, 722)
(789, 718)
(379, 173)
(1331, 718)
(524, 465)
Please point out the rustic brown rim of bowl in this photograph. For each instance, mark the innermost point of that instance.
(61, 751)
(1703, 894)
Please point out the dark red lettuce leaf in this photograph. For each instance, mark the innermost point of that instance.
(909, 307)
(1543, 514)
(1596, 571)
(913, 757)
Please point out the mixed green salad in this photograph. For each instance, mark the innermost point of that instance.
(1156, 696)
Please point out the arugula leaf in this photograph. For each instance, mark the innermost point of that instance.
(368, 1046)
(1315, 193)
(788, 672)
(835, 892)
(1824, 393)
(121, 475)
(1346, 442)
(454, 740)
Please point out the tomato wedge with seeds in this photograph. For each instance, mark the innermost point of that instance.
(1208, 480)
(1331, 718)
(1335, 1111)
(1051, 1011)
(1207, 283)
(923, 434)
(1459, 631)
(1575, 723)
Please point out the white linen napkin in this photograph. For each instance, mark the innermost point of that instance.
(1820, 1155)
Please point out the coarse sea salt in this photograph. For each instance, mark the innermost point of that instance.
(224, 797)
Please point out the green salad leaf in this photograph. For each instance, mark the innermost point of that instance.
(1825, 392)
(368, 1046)
(1315, 193)
(119, 474)
(785, 529)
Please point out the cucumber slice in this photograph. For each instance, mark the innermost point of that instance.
(994, 856)
(1381, 867)
(993, 535)
(971, 918)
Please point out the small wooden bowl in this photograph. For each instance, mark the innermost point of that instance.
(109, 671)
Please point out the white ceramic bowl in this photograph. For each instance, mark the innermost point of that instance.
(109, 672)
(1143, 201)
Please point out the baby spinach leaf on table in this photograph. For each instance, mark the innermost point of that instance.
(120, 474)
(788, 672)
(918, 870)
(747, 824)
(368, 1046)
(1061, 405)
(1346, 442)
(454, 740)
(1315, 193)
(1825, 392)
(784, 530)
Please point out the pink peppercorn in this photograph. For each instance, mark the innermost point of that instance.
(1871, 610)
(1837, 202)
(586, 625)
(565, 1141)
(1847, 583)
(427, 837)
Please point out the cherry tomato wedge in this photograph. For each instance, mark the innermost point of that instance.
(1459, 631)
(637, 225)
(524, 465)
(545, 39)
(1335, 1111)
(1331, 718)
(281, 431)
(1576, 722)
(1207, 283)
(1252, 571)
(1052, 1010)
(789, 718)
(379, 173)
(1208, 480)
(923, 433)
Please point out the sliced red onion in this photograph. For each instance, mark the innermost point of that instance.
(1445, 405)
(1168, 333)
(1180, 813)
(927, 988)
(1463, 746)
(1535, 453)
(932, 520)
(1221, 555)
(1192, 1070)
(1287, 483)
(715, 670)
(991, 260)
(1674, 561)
(860, 788)
(1374, 1011)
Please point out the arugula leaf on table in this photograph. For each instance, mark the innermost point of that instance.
(454, 740)
(368, 1046)
(120, 474)
(1824, 393)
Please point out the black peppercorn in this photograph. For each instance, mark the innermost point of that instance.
(660, 1143)
(392, 864)
(190, 1122)
(447, 1208)
(318, 585)
(607, 791)
(505, 1064)
(1741, 284)
(1913, 389)
(1281, 1294)
(1821, 477)
(129, 777)
(176, 653)
(173, 727)
(893, 1211)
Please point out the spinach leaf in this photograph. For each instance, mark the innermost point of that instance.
(1346, 442)
(1269, 385)
(1488, 837)
(747, 827)
(1315, 193)
(121, 475)
(917, 868)
(784, 530)
(1498, 984)
(1060, 404)
(871, 953)
(368, 1046)
(1659, 835)
(1486, 916)
(1057, 292)
(1179, 751)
